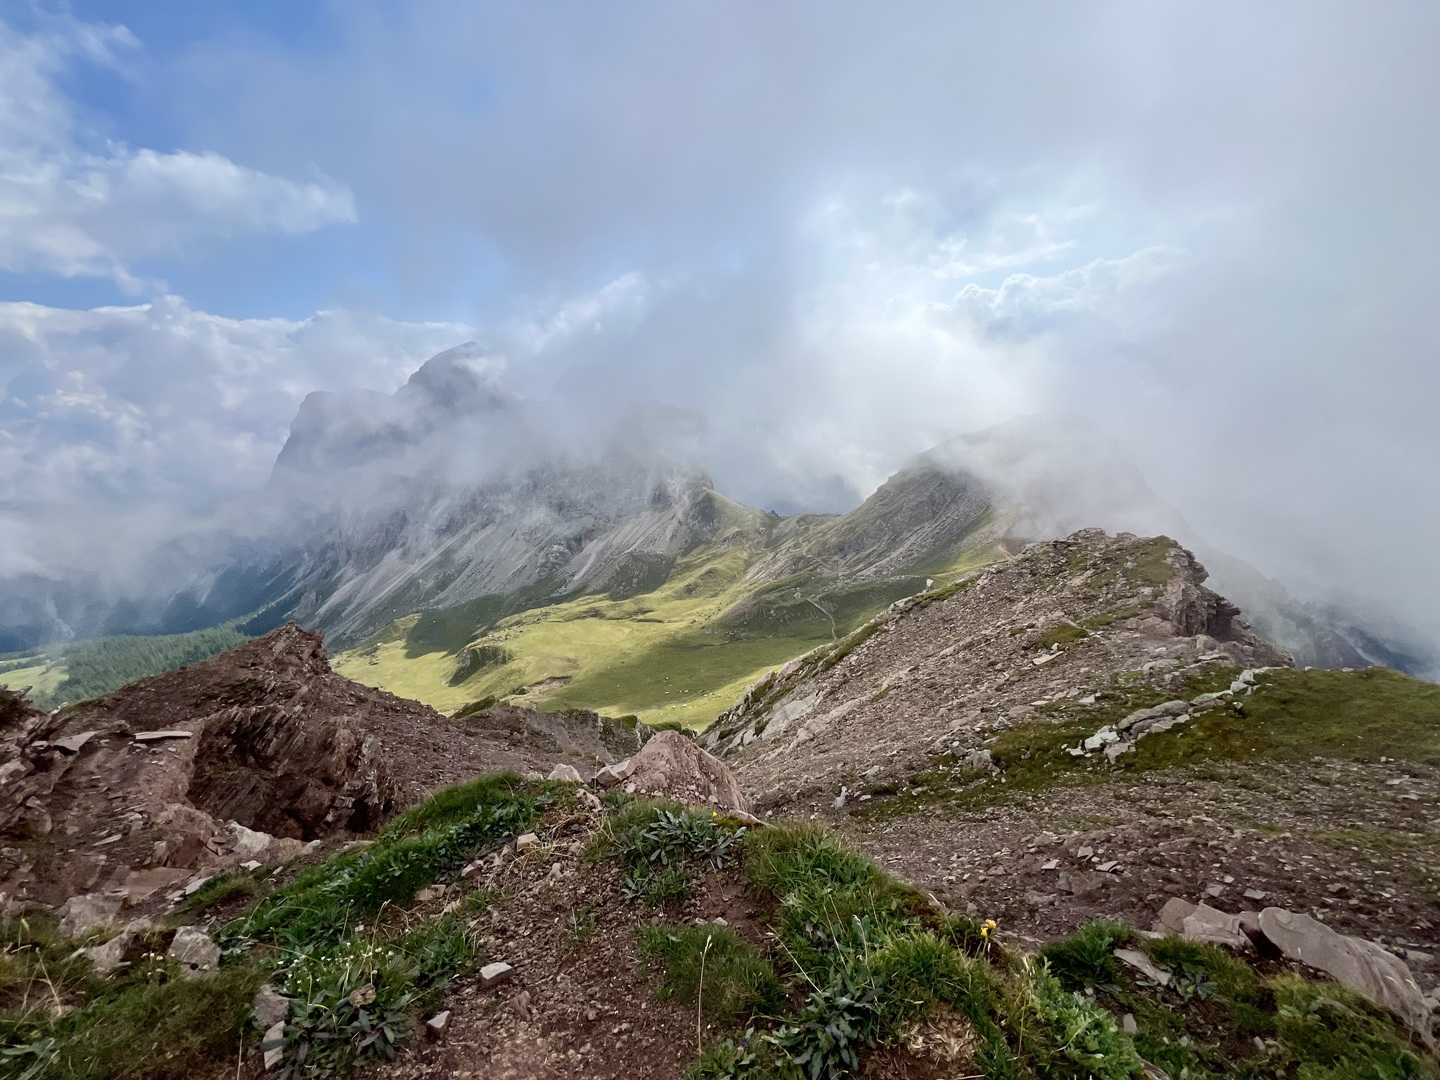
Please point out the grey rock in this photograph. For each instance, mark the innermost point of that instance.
(611, 775)
(274, 1045)
(1201, 922)
(526, 841)
(436, 1025)
(1136, 959)
(566, 773)
(193, 949)
(74, 743)
(270, 1007)
(1363, 966)
(1154, 712)
(108, 957)
(163, 733)
(89, 911)
(496, 973)
(1128, 1024)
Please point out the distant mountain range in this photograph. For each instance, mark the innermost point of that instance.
(453, 545)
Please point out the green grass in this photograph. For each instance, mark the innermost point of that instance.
(146, 1023)
(356, 993)
(680, 653)
(1086, 956)
(858, 955)
(1062, 634)
(1294, 716)
(713, 969)
(424, 845)
(220, 889)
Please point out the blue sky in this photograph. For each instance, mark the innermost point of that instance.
(842, 233)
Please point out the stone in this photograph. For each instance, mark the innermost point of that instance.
(567, 774)
(589, 800)
(108, 957)
(674, 766)
(1128, 1024)
(1041, 661)
(270, 1007)
(163, 733)
(194, 950)
(89, 911)
(274, 1045)
(1200, 922)
(248, 841)
(1369, 970)
(74, 743)
(1050, 864)
(1136, 959)
(1101, 738)
(496, 973)
(436, 1025)
(140, 885)
(1255, 894)
(430, 893)
(1154, 712)
(611, 775)
(526, 841)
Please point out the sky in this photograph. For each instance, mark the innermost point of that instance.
(843, 232)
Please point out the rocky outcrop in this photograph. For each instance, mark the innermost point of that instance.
(672, 766)
(245, 757)
(1370, 970)
(946, 670)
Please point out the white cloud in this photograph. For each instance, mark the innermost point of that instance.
(76, 205)
(159, 409)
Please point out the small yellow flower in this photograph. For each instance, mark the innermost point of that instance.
(988, 927)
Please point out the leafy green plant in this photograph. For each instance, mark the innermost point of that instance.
(1065, 1034)
(669, 885)
(837, 1021)
(678, 835)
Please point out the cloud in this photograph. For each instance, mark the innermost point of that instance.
(839, 238)
(158, 414)
(76, 205)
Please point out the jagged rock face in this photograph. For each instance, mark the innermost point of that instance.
(954, 669)
(242, 756)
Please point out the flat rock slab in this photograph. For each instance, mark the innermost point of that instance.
(496, 973)
(1140, 962)
(163, 733)
(1203, 923)
(74, 743)
(1361, 965)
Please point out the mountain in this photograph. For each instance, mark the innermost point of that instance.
(455, 541)
(1066, 816)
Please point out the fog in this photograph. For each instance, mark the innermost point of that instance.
(838, 236)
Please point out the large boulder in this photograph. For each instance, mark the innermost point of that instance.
(1361, 965)
(675, 767)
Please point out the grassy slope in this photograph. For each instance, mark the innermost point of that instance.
(1294, 715)
(665, 655)
(42, 677)
(654, 655)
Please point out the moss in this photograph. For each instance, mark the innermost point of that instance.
(1061, 634)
